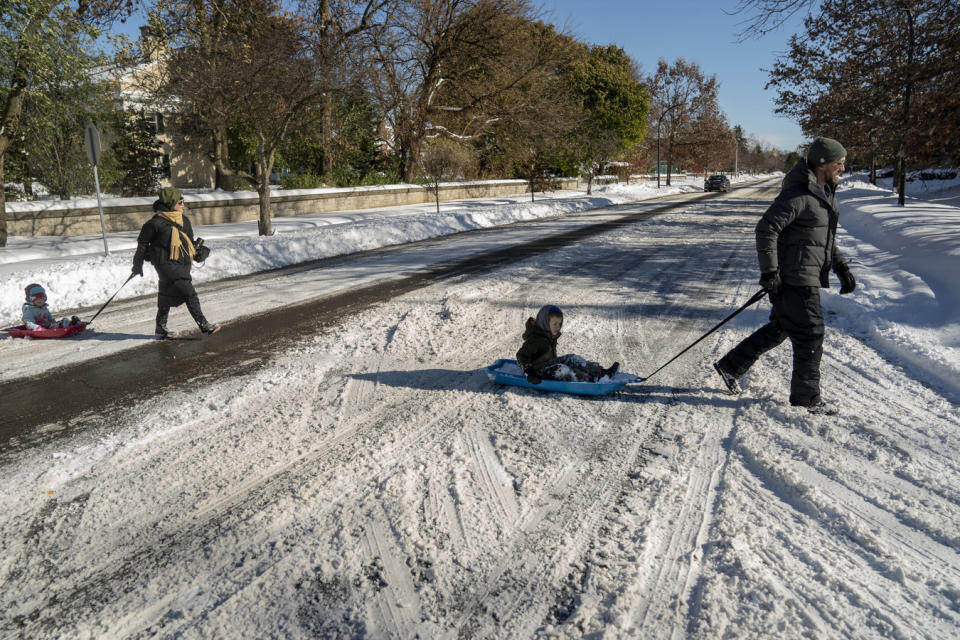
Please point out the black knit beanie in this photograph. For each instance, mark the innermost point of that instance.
(824, 151)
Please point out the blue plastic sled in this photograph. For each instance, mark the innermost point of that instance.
(508, 372)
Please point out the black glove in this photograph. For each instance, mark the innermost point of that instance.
(532, 376)
(847, 281)
(137, 270)
(771, 282)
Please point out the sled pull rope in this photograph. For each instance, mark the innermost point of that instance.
(90, 321)
(756, 298)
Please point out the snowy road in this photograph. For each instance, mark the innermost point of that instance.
(369, 482)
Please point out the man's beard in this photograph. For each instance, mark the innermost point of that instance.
(832, 180)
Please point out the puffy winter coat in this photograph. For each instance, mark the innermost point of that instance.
(35, 317)
(539, 345)
(153, 244)
(797, 234)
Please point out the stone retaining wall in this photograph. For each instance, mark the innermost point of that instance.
(81, 217)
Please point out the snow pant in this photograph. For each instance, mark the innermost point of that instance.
(571, 368)
(173, 293)
(797, 315)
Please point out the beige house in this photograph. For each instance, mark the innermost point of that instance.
(183, 165)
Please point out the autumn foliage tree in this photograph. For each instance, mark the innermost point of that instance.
(686, 98)
(880, 75)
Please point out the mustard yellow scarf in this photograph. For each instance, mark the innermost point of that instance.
(178, 246)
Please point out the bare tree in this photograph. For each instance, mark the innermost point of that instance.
(195, 34)
(763, 16)
(335, 29)
(257, 72)
(686, 101)
(445, 65)
(443, 160)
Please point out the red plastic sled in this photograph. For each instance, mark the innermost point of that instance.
(23, 332)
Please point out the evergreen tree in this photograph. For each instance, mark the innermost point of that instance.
(138, 156)
(34, 39)
(615, 104)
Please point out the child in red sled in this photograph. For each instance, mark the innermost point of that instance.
(538, 354)
(36, 314)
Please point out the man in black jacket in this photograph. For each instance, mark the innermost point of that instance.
(167, 241)
(796, 248)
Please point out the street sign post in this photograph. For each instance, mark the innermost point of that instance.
(92, 138)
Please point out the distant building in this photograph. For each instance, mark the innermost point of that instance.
(182, 166)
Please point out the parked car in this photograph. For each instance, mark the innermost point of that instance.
(717, 183)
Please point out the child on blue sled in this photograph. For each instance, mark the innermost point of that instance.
(538, 354)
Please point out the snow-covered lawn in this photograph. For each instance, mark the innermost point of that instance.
(371, 482)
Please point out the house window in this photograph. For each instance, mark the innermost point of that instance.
(156, 122)
(163, 162)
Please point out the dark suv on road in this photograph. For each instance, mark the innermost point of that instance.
(717, 183)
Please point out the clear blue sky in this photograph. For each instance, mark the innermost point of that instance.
(700, 32)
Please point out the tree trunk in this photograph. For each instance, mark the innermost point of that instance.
(590, 183)
(902, 151)
(264, 167)
(264, 226)
(533, 186)
(409, 154)
(223, 176)
(3, 206)
(327, 133)
(902, 178)
(669, 161)
(326, 128)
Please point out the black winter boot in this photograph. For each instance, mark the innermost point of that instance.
(822, 408)
(728, 379)
(209, 328)
(161, 328)
(611, 371)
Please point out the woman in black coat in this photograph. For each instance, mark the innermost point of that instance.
(167, 241)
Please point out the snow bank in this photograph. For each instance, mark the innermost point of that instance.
(912, 311)
(76, 274)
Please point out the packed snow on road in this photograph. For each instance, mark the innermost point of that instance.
(369, 481)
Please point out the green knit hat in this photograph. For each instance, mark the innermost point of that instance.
(824, 151)
(169, 197)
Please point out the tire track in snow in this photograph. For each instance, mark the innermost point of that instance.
(509, 595)
(96, 585)
(871, 537)
(494, 480)
(252, 494)
(577, 497)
